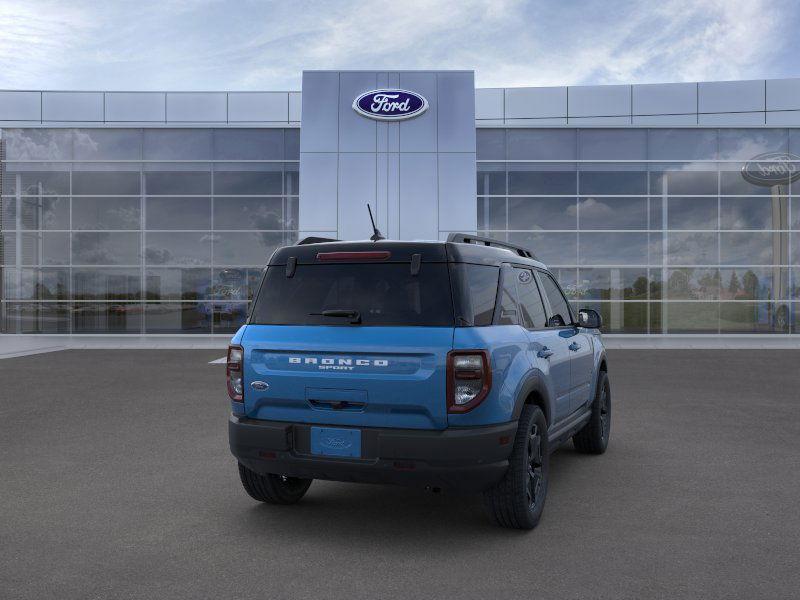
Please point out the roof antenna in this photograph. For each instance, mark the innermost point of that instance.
(377, 234)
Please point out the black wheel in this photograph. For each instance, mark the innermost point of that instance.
(273, 489)
(593, 438)
(518, 500)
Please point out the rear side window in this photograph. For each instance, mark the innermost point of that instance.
(530, 300)
(559, 313)
(474, 293)
(383, 294)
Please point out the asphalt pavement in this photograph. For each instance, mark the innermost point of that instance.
(116, 482)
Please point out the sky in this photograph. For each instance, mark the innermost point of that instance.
(264, 45)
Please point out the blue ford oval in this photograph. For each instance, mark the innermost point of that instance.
(390, 104)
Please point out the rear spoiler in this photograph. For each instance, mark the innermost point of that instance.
(315, 240)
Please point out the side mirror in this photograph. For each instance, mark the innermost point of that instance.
(589, 318)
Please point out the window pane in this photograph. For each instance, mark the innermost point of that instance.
(118, 183)
(542, 213)
(49, 248)
(692, 213)
(106, 284)
(249, 183)
(747, 317)
(754, 283)
(36, 284)
(491, 179)
(178, 284)
(178, 183)
(177, 317)
(474, 290)
(733, 182)
(754, 213)
(746, 144)
(235, 284)
(530, 300)
(613, 248)
(106, 317)
(609, 144)
(749, 248)
(613, 284)
(8, 213)
(239, 249)
(107, 144)
(248, 213)
(690, 317)
(38, 144)
(692, 248)
(693, 284)
(248, 144)
(115, 248)
(291, 144)
(178, 144)
(522, 181)
(229, 317)
(621, 317)
(174, 212)
(683, 183)
(612, 213)
(682, 144)
(491, 213)
(559, 309)
(541, 144)
(490, 144)
(178, 248)
(291, 179)
(105, 213)
(44, 212)
(613, 182)
(550, 248)
(35, 183)
(34, 317)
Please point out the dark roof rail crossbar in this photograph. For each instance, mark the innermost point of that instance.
(466, 238)
(315, 240)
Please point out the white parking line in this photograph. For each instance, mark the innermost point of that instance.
(219, 361)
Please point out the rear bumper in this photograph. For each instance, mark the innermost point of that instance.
(469, 459)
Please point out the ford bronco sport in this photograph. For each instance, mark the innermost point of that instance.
(455, 364)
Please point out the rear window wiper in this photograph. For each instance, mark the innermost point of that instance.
(353, 315)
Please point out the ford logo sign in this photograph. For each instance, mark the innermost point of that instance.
(390, 105)
(772, 168)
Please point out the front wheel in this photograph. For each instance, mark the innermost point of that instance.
(518, 500)
(593, 438)
(273, 489)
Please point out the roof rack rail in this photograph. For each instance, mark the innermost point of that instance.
(315, 240)
(466, 238)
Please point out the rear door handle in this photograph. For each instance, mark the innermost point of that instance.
(574, 347)
(545, 352)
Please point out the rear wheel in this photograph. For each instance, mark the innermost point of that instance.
(593, 438)
(518, 500)
(273, 489)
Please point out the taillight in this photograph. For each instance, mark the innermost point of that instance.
(469, 378)
(234, 372)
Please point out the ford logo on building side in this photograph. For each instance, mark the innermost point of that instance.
(390, 105)
(772, 168)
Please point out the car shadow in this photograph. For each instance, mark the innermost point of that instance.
(362, 513)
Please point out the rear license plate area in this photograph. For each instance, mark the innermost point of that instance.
(332, 441)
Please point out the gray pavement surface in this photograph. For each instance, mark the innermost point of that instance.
(116, 482)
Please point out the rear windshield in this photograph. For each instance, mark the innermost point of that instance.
(382, 294)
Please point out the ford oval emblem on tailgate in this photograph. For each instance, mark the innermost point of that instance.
(260, 385)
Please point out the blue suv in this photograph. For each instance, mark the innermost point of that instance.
(454, 365)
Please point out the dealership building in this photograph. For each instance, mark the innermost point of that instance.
(670, 208)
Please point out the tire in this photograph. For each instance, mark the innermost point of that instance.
(273, 489)
(518, 499)
(593, 438)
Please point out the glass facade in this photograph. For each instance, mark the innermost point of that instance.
(160, 230)
(657, 229)
(141, 230)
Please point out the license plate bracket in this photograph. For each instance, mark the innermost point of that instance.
(334, 441)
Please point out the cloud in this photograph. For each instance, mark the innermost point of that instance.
(205, 44)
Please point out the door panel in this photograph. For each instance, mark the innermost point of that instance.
(581, 368)
(543, 342)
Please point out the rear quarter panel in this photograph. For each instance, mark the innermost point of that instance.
(507, 346)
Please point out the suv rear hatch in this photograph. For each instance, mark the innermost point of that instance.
(351, 337)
